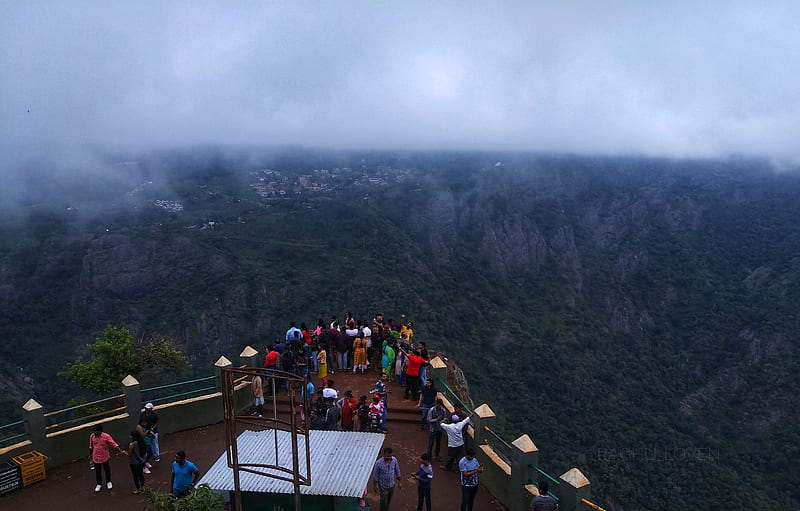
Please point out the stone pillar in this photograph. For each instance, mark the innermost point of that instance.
(574, 487)
(437, 370)
(524, 453)
(221, 362)
(35, 426)
(483, 418)
(133, 400)
(249, 357)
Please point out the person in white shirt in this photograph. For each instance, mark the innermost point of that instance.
(455, 440)
(329, 392)
(368, 337)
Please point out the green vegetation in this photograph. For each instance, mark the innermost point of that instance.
(114, 356)
(201, 498)
(636, 317)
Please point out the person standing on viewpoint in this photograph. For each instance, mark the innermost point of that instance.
(385, 474)
(152, 418)
(359, 353)
(427, 400)
(455, 440)
(412, 374)
(100, 445)
(147, 436)
(322, 365)
(184, 475)
(382, 392)
(137, 454)
(424, 476)
(469, 468)
(435, 418)
(258, 395)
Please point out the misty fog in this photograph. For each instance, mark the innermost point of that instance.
(679, 80)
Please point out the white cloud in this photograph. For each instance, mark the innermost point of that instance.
(648, 77)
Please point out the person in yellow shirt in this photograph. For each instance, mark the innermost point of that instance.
(406, 328)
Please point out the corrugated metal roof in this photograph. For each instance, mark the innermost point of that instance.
(341, 462)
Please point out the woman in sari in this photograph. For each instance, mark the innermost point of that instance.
(360, 353)
(388, 360)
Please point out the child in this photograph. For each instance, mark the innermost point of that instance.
(424, 475)
(376, 414)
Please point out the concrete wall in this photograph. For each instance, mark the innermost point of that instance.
(508, 482)
(67, 445)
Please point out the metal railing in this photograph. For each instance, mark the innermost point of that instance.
(241, 378)
(451, 394)
(84, 418)
(171, 397)
(548, 476)
(8, 439)
(87, 412)
(501, 447)
(592, 505)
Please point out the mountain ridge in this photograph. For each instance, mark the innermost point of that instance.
(658, 295)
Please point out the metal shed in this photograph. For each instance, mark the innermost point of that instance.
(341, 467)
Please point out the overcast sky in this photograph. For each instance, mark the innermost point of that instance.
(658, 78)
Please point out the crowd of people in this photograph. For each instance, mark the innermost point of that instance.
(141, 450)
(351, 345)
(387, 347)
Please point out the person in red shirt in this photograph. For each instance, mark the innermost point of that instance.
(270, 362)
(413, 386)
(100, 446)
(306, 333)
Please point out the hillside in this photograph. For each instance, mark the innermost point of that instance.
(637, 317)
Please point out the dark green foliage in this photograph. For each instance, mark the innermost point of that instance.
(112, 359)
(637, 317)
(114, 356)
(199, 499)
(162, 354)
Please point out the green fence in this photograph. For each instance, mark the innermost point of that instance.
(6, 440)
(162, 393)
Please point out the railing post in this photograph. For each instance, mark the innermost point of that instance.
(524, 453)
(249, 357)
(437, 370)
(484, 418)
(220, 363)
(35, 427)
(574, 487)
(133, 399)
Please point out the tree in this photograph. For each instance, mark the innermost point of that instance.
(114, 356)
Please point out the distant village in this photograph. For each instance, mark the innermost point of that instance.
(271, 183)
